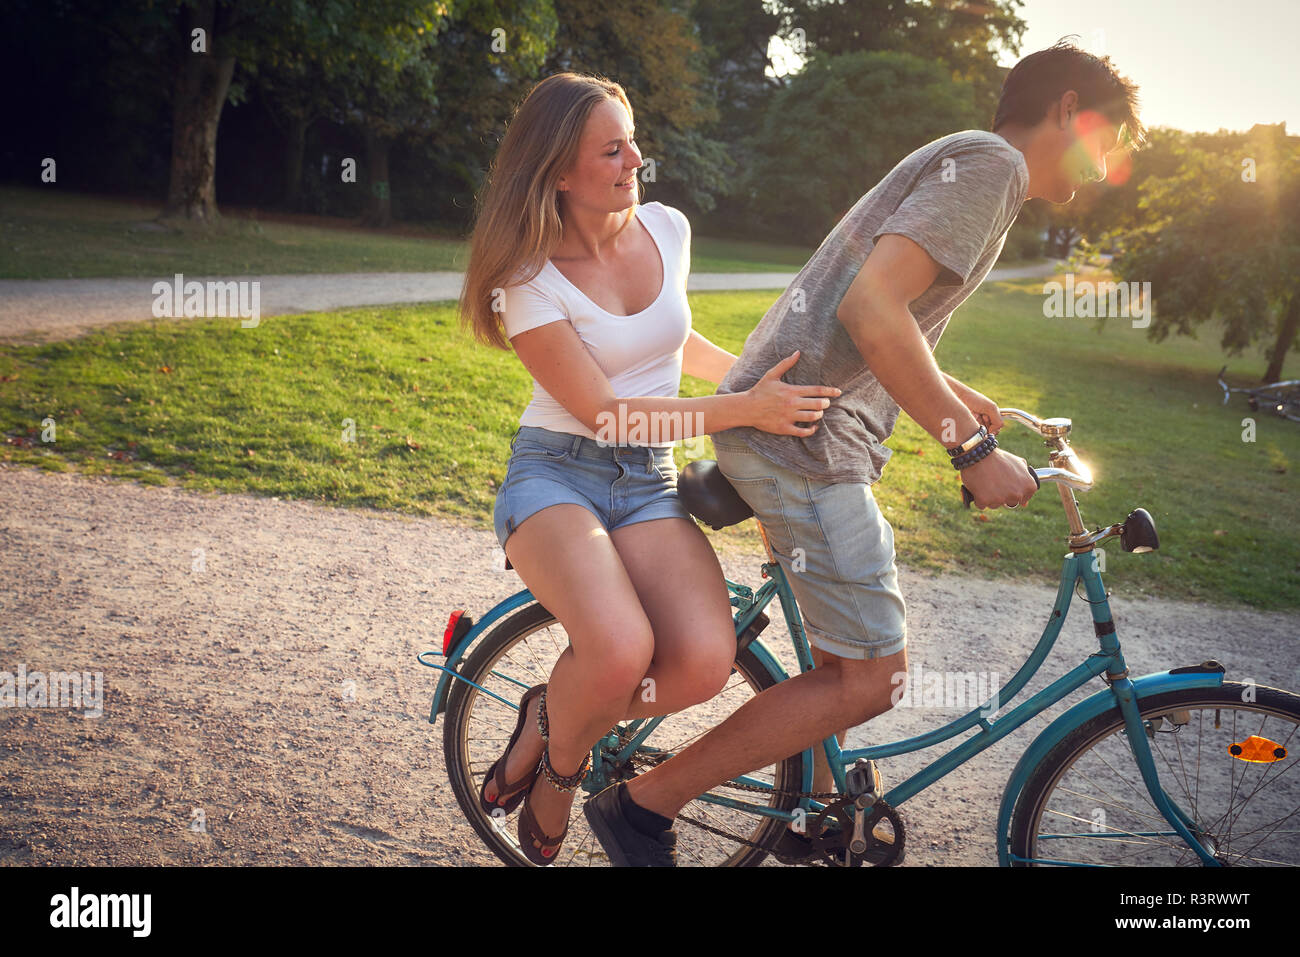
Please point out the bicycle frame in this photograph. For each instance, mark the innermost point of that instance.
(1123, 692)
(1276, 394)
(1080, 564)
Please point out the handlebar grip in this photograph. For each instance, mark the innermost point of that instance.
(967, 498)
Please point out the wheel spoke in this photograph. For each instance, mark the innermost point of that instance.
(1248, 812)
(482, 729)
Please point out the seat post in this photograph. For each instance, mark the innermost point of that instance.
(762, 532)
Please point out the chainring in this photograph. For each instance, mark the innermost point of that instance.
(831, 844)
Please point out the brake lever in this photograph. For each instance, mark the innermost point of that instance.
(967, 498)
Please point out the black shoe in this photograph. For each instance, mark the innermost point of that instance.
(625, 845)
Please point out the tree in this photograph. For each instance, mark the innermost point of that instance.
(734, 37)
(1101, 210)
(838, 127)
(652, 51)
(198, 95)
(296, 95)
(443, 73)
(1220, 239)
(960, 38)
(214, 48)
(486, 65)
(962, 35)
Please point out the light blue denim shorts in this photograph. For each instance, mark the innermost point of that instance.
(619, 484)
(835, 547)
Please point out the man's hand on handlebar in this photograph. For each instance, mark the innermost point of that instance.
(984, 409)
(1000, 479)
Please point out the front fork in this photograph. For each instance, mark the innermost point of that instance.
(1089, 571)
(1181, 822)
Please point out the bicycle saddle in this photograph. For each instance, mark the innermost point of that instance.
(709, 496)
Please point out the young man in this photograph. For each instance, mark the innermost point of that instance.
(866, 313)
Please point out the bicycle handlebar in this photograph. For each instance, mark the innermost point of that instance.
(1078, 476)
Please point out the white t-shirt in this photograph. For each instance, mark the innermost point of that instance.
(640, 354)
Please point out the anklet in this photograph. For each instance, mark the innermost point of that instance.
(565, 785)
(543, 723)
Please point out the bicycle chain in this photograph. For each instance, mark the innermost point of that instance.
(762, 790)
(721, 833)
(813, 857)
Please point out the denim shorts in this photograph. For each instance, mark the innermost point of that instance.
(619, 484)
(835, 547)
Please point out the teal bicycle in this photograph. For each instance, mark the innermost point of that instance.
(1179, 767)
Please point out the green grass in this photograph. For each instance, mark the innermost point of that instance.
(738, 255)
(1148, 420)
(210, 405)
(48, 234)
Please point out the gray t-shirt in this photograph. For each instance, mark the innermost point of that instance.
(956, 197)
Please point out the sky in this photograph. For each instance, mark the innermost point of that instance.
(1200, 65)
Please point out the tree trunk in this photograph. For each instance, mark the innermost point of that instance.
(1285, 337)
(198, 96)
(293, 161)
(380, 210)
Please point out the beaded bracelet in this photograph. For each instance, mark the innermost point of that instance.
(981, 451)
(969, 444)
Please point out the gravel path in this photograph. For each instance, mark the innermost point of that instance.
(49, 309)
(258, 659)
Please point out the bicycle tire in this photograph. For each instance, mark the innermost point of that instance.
(1043, 782)
(465, 782)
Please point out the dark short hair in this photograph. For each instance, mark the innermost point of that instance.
(1042, 78)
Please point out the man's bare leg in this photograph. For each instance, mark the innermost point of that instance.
(781, 721)
(823, 780)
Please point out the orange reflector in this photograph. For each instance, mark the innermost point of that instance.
(1257, 750)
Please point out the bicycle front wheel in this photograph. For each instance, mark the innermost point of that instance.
(1224, 755)
(725, 827)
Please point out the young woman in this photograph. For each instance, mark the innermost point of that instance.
(588, 512)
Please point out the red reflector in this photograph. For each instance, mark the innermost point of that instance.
(451, 629)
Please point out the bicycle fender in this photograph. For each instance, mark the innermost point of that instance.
(767, 660)
(457, 654)
(1155, 683)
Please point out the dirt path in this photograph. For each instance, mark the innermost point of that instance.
(50, 309)
(258, 660)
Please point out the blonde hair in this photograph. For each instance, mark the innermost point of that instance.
(518, 224)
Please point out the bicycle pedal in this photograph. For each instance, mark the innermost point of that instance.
(864, 779)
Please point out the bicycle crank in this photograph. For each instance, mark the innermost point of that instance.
(844, 835)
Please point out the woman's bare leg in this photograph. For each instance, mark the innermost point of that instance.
(638, 621)
(682, 591)
(570, 564)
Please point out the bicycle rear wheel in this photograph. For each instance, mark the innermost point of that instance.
(519, 653)
(1086, 803)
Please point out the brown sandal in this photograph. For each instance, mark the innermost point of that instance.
(496, 774)
(533, 841)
